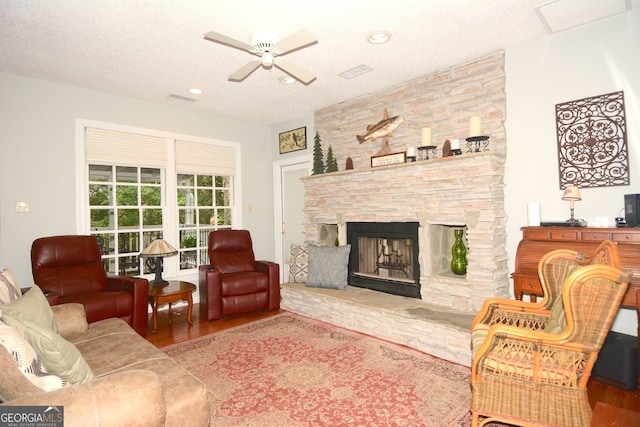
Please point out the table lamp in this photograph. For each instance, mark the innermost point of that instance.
(572, 194)
(154, 253)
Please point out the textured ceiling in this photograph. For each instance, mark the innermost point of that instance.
(148, 49)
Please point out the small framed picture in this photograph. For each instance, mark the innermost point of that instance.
(389, 159)
(293, 140)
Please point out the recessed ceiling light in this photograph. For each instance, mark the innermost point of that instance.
(287, 80)
(378, 37)
(195, 91)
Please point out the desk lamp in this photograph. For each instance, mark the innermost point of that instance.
(154, 253)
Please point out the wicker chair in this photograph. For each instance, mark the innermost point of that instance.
(526, 377)
(553, 269)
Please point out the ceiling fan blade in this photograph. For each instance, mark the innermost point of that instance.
(295, 41)
(296, 71)
(244, 72)
(221, 38)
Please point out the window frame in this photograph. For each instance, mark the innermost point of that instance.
(171, 228)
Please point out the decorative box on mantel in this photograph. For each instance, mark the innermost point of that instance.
(441, 195)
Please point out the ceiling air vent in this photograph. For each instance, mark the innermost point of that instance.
(180, 98)
(355, 72)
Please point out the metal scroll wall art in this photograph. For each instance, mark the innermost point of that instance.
(592, 142)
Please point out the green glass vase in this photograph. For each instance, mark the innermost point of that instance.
(459, 254)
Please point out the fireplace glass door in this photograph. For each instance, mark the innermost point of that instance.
(384, 257)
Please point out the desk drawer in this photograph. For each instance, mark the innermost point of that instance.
(595, 236)
(626, 237)
(527, 284)
(564, 235)
(535, 234)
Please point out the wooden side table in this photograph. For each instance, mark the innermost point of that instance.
(176, 290)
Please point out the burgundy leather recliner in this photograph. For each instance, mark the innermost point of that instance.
(235, 282)
(69, 269)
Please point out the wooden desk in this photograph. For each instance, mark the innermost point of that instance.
(173, 292)
(537, 241)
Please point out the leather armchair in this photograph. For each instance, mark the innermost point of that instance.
(234, 282)
(69, 269)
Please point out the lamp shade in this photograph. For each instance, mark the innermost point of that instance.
(159, 248)
(571, 193)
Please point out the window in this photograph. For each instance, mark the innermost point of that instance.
(204, 204)
(143, 185)
(125, 208)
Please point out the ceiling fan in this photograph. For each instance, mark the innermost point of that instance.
(269, 47)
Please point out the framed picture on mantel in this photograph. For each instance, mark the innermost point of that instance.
(389, 159)
(293, 140)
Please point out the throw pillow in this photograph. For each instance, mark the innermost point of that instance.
(32, 306)
(9, 288)
(557, 319)
(328, 266)
(478, 336)
(57, 355)
(299, 264)
(27, 361)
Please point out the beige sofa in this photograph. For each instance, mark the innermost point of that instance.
(135, 383)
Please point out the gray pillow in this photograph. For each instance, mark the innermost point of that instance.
(328, 266)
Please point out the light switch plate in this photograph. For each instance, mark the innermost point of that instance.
(23, 207)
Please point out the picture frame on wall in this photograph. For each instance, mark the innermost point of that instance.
(293, 140)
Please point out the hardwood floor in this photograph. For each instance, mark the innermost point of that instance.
(180, 331)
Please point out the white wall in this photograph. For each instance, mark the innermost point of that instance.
(590, 60)
(37, 140)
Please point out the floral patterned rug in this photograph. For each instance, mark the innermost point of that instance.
(292, 371)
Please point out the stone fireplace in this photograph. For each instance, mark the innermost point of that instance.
(437, 196)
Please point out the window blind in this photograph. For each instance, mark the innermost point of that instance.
(204, 159)
(122, 148)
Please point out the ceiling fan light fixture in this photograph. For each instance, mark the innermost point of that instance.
(378, 37)
(267, 59)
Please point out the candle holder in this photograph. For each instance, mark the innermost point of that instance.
(474, 143)
(423, 151)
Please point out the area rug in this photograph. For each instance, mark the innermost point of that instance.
(292, 371)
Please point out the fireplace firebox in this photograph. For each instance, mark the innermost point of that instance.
(384, 257)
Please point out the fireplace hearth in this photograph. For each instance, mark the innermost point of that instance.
(384, 257)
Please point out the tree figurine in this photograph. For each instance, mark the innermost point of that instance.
(332, 164)
(318, 157)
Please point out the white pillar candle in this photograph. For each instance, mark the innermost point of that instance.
(455, 144)
(533, 214)
(411, 152)
(475, 128)
(426, 136)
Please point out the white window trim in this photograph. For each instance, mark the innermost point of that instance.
(171, 264)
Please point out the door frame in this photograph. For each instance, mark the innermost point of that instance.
(278, 168)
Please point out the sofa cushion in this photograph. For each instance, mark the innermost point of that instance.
(58, 356)
(299, 263)
(32, 306)
(26, 359)
(328, 266)
(9, 288)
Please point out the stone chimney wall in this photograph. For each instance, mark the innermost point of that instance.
(442, 193)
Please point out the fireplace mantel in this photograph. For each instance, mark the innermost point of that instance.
(461, 191)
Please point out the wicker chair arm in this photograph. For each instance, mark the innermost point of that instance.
(496, 311)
